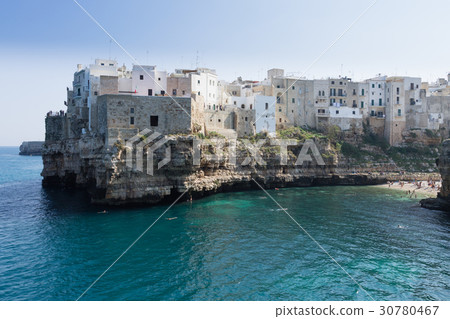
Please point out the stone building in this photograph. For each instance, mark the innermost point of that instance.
(116, 103)
(120, 117)
(401, 94)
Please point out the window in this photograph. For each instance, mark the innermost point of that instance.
(280, 119)
(132, 110)
(372, 102)
(293, 87)
(153, 120)
(132, 120)
(246, 119)
(337, 111)
(183, 92)
(362, 104)
(379, 86)
(412, 86)
(398, 100)
(372, 113)
(412, 102)
(111, 64)
(198, 93)
(354, 112)
(399, 112)
(234, 102)
(174, 92)
(251, 106)
(380, 102)
(242, 106)
(198, 81)
(293, 100)
(102, 63)
(219, 120)
(159, 79)
(398, 90)
(163, 92)
(373, 85)
(267, 106)
(279, 110)
(150, 92)
(141, 77)
(95, 93)
(354, 91)
(332, 82)
(362, 91)
(79, 93)
(340, 83)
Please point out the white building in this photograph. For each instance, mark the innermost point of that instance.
(264, 110)
(204, 83)
(265, 120)
(147, 80)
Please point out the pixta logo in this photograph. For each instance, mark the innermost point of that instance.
(141, 149)
(143, 146)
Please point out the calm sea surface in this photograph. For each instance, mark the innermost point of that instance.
(235, 246)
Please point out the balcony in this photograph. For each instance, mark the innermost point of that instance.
(325, 113)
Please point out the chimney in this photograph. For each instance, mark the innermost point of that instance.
(79, 67)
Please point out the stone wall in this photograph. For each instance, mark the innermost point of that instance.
(123, 115)
(230, 118)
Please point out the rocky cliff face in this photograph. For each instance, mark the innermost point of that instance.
(86, 163)
(442, 202)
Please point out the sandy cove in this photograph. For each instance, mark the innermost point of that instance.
(411, 187)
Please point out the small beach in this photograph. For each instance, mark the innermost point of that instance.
(411, 188)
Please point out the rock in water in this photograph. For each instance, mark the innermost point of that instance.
(31, 148)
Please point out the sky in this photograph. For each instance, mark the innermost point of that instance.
(41, 42)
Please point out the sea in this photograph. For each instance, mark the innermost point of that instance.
(54, 244)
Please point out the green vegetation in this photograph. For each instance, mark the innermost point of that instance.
(299, 134)
(431, 134)
(374, 148)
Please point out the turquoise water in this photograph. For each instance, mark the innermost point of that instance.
(234, 246)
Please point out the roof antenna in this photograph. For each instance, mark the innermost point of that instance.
(196, 61)
(109, 57)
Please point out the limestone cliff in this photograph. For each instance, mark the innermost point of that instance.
(86, 162)
(442, 202)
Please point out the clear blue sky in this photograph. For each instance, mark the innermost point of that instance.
(42, 41)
